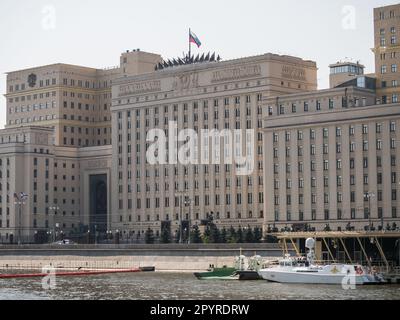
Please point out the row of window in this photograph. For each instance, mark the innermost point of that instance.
(205, 90)
(197, 216)
(85, 142)
(217, 201)
(227, 168)
(47, 199)
(339, 181)
(338, 132)
(384, 68)
(86, 106)
(87, 119)
(282, 109)
(313, 165)
(65, 82)
(339, 198)
(386, 15)
(86, 96)
(33, 119)
(338, 164)
(237, 125)
(393, 41)
(195, 105)
(327, 215)
(347, 69)
(30, 97)
(338, 149)
(393, 55)
(394, 85)
(395, 99)
(34, 107)
(206, 186)
(81, 130)
(196, 170)
(35, 225)
(87, 84)
(47, 163)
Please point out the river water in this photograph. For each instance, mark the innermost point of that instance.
(178, 286)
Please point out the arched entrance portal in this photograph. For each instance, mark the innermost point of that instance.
(98, 203)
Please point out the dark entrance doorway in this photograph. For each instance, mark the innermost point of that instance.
(98, 203)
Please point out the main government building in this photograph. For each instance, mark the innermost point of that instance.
(73, 155)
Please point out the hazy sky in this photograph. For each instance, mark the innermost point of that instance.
(94, 32)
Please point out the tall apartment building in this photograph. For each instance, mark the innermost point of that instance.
(73, 100)
(210, 95)
(387, 52)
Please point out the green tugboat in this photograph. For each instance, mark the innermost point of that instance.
(239, 272)
(224, 273)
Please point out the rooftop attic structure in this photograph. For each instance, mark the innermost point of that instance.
(342, 72)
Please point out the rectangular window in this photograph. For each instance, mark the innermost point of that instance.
(313, 214)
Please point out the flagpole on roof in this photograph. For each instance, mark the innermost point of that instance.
(190, 46)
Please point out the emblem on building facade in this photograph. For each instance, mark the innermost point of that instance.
(32, 78)
(186, 81)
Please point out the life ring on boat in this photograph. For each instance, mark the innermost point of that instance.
(359, 270)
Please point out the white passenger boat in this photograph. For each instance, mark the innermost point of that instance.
(301, 270)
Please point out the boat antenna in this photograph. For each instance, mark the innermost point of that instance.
(310, 244)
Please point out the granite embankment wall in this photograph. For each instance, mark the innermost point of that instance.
(162, 257)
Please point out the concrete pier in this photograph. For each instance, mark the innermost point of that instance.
(183, 258)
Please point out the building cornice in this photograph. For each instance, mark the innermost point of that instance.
(170, 72)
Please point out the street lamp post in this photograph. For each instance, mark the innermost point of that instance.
(369, 195)
(19, 221)
(190, 218)
(109, 236)
(55, 209)
(20, 201)
(180, 195)
(49, 236)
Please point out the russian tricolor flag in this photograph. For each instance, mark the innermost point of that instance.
(193, 39)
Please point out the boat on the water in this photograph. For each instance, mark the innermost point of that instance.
(305, 271)
(244, 269)
(224, 273)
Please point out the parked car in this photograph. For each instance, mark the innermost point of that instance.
(64, 242)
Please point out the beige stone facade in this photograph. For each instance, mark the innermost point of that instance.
(76, 143)
(74, 100)
(58, 136)
(55, 178)
(387, 52)
(213, 95)
(324, 151)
